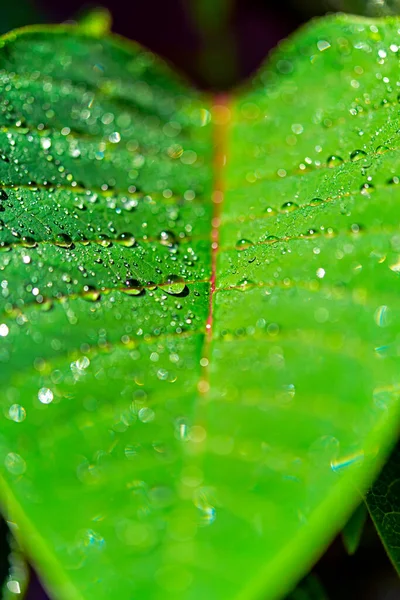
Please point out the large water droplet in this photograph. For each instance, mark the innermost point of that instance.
(90, 293)
(168, 238)
(175, 285)
(357, 155)
(28, 242)
(126, 239)
(63, 240)
(334, 161)
(133, 287)
(243, 244)
(289, 207)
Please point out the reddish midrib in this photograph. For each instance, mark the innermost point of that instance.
(221, 115)
(220, 119)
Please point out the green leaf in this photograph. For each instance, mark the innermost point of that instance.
(383, 502)
(352, 531)
(195, 383)
(308, 589)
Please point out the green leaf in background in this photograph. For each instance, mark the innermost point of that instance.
(383, 501)
(194, 383)
(308, 589)
(352, 531)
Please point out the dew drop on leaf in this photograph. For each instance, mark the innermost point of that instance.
(175, 285)
(289, 207)
(126, 239)
(357, 155)
(28, 242)
(90, 293)
(243, 244)
(17, 413)
(168, 238)
(63, 240)
(45, 395)
(133, 287)
(334, 161)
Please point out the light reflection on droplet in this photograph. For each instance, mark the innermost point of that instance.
(45, 395)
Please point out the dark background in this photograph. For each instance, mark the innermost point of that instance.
(234, 44)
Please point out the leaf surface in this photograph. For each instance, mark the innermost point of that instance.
(199, 316)
(383, 502)
(352, 531)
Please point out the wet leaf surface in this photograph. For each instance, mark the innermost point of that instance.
(199, 356)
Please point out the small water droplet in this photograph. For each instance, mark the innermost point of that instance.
(244, 284)
(14, 463)
(366, 189)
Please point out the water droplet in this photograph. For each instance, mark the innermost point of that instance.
(115, 137)
(90, 293)
(289, 207)
(168, 238)
(382, 316)
(357, 155)
(28, 242)
(243, 244)
(17, 413)
(146, 414)
(353, 459)
(45, 395)
(382, 149)
(92, 540)
(63, 240)
(133, 287)
(46, 305)
(4, 330)
(203, 500)
(366, 189)
(175, 285)
(334, 161)
(126, 239)
(14, 463)
(244, 284)
(270, 211)
(316, 202)
(104, 240)
(394, 180)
